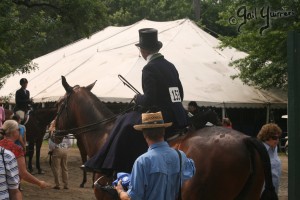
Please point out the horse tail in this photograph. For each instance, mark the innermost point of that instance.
(269, 189)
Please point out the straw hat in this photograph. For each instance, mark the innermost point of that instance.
(152, 120)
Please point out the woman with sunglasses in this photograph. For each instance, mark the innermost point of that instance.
(270, 134)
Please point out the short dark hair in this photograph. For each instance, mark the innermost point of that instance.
(193, 103)
(154, 134)
(23, 81)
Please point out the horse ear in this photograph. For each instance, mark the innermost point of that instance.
(90, 86)
(67, 87)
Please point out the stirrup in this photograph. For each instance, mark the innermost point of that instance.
(107, 188)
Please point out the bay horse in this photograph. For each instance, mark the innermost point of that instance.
(36, 126)
(229, 164)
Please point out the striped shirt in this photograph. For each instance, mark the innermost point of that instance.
(9, 177)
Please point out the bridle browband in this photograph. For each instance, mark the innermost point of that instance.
(86, 128)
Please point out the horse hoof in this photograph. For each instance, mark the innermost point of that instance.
(81, 186)
(41, 171)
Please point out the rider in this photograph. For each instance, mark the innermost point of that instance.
(162, 91)
(23, 101)
(201, 117)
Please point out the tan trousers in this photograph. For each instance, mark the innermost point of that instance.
(59, 161)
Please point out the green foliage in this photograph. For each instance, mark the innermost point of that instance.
(29, 30)
(126, 12)
(266, 63)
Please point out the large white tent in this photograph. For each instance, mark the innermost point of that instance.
(203, 68)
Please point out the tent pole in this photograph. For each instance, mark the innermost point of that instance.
(268, 113)
(223, 111)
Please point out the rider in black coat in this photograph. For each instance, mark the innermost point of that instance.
(162, 92)
(22, 96)
(161, 84)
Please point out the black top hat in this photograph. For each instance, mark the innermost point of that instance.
(148, 39)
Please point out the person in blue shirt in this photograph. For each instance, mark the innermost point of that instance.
(270, 134)
(156, 174)
(22, 130)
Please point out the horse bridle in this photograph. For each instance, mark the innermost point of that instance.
(82, 129)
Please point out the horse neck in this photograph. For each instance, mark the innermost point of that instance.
(94, 139)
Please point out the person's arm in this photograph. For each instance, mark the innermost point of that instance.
(121, 192)
(15, 194)
(24, 174)
(149, 83)
(12, 176)
(188, 167)
(23, 144)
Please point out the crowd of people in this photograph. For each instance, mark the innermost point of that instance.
(159, 114)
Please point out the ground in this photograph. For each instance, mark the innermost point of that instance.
(32, 192)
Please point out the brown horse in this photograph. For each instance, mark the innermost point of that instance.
(229, 164)
(35, 131)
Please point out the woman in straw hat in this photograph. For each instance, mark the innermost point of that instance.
(156, 174)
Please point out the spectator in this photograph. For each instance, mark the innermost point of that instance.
(22, 129)
(156, 174)
(10, 131)
(193, 108)
(59, 158)
(226, 123)
(9, 176)
(199, 118)
(270, 134)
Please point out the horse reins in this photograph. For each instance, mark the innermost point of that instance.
(86, 128)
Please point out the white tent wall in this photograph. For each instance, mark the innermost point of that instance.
(203, 68)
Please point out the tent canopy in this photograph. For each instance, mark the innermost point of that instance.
(203, 68)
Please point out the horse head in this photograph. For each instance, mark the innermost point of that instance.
(68, 119)
(69, 89)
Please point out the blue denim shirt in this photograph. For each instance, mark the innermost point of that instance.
(155, 174)
(275, 166)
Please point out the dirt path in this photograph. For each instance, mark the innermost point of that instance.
(32, 192)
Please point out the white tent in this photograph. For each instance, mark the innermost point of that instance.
(203, 68)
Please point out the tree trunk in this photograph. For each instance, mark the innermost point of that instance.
(196, 5)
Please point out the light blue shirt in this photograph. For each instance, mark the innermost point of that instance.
(22, 133)
(275, 166)
(155, 174)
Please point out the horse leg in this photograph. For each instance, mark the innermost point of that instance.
(83, 155)
(37, 156)
(30, 152)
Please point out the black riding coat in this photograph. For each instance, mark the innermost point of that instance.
(158, 76)
(22, 99)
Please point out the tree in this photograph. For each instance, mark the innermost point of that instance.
(125, 12)
(262, 28)
(29, 29)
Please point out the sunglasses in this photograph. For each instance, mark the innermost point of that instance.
(275, 137)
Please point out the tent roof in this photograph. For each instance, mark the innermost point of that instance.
(203, 68)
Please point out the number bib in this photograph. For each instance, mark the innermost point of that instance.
(174, 94)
